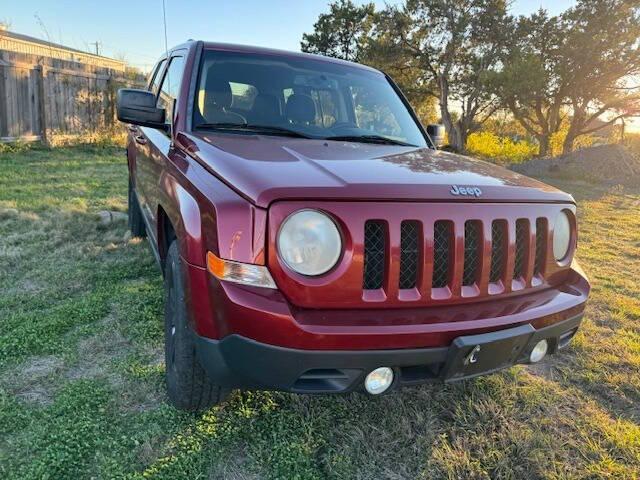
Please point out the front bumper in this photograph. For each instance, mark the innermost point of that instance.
(222, 309)
(236, 361)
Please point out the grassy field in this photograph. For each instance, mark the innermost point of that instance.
(81, 370)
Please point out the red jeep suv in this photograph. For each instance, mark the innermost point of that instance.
(313, 239)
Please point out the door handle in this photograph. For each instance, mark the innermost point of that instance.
(140, 139)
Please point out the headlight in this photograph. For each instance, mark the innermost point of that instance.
(309, 242)
(561, 236)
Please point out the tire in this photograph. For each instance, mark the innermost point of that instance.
(136, 222)
(188, 385)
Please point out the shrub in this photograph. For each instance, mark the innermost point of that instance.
(501, 150)
(15, 147)
(632, 141)
(108, 137)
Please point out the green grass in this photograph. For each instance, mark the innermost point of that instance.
(81, 371)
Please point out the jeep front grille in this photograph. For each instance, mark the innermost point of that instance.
(483, 260)
(418, 254)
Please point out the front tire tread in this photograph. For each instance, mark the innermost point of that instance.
(188, 385)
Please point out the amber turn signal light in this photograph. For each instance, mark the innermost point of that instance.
(237, 272)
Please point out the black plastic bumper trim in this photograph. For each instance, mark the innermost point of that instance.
(240, 362)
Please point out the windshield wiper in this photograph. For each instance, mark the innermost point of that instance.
(379, 139)
(247, 127)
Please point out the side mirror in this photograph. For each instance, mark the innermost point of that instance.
(437, 134)
(138, 107)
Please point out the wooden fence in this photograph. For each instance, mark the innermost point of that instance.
(36, 100)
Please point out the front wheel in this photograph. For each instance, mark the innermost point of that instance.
(188, 385)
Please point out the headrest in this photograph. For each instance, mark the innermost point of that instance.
(265, 109)
(300, 109)
(218, 91)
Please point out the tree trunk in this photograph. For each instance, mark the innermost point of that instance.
(456, 133)
(577, 124)
(461, 135)
(544, 143)
(567, 146)
(457, 137)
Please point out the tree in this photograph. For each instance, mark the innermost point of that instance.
(4, 26)
(601, 56)
(414, 81)
(456, 44)
(341, 32)
(344, 33)
(530, 83)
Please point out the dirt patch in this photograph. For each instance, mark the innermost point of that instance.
(97, 353)
(98, 358)
(37, 380)
(34, 381)
(609, 164)
(233, 467)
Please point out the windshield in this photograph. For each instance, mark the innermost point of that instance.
(279, 95)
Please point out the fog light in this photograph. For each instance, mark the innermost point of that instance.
(379, 380)
(539, 351)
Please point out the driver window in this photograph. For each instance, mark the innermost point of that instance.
(170, 87)
(154, 85)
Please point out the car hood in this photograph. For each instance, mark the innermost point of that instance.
(268, 168)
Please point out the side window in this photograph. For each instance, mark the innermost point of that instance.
(171, 86)
(157, 76)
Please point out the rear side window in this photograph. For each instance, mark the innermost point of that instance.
(171, 86)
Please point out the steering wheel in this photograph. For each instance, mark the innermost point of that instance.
(237, 115)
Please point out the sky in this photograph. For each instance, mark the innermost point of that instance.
(134, 30)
